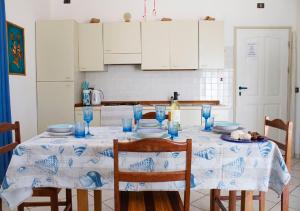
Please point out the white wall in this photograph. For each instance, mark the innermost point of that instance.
(23, 88)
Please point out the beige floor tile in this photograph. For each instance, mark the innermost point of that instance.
(294, 202)
(203, 203)
(110, 203)
(296, 192)
(295, 182)
(269, 205)
(272, 196)
(278, 208)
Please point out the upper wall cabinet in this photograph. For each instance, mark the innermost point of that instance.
(211, 45)
(56, 50)
(90, 47)
(170, 45)
(184, 45)
(122, 43)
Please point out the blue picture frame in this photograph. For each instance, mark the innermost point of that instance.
(16, 49)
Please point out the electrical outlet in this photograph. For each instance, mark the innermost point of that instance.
(297, 90)
(260, 5)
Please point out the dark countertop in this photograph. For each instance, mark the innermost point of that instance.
(156, 102)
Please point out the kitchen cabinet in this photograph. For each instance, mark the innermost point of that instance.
(56, 50)
(184, 45)
(55, 103)
(156, 45)
(90, 47)
(122, 43)
(211, 45)
(169, 45)
(96, 116)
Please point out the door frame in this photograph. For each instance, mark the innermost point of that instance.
(291, 70)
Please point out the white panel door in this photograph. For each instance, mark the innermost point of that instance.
(155, 45)
(211, 44)
(56, 50)
(122, 37)
(90, 47)
(55, 103)
(184, 45)
(262, 58)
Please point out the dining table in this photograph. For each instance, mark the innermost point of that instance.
(87, 164)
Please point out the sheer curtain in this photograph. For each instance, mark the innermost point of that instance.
(5, 113)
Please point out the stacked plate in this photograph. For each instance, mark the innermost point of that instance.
(224, 127)
(150, 133)
(60, 130)
(148, 123)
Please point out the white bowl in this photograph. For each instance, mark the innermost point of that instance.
(60, 128)
(151, 133)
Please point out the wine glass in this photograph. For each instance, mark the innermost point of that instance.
(160, 114)
(138, 113)
(88, 117)
(127, 125)
(206, 113)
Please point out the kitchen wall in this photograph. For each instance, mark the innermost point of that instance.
(128, 82)
(23, 88)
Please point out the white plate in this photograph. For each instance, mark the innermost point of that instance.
(136, 136)
(151, 133)
(60, 128)
(226, 126)
(148, 123)
(221, 131)
(59, 134)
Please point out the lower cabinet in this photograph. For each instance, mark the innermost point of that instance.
(96, 116)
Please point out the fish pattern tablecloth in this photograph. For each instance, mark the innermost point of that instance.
(88, 164)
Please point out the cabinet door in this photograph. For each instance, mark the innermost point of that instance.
(90, 47)
(184, 45)
(155, 45)
(55, 50)
(55, 103)
(122, 37)
(211, 44)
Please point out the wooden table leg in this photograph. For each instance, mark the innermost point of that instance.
(97, 200)
(247, 201)
(82, 200)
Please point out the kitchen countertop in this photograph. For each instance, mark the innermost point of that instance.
(189, 103)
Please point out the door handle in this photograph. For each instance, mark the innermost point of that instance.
(242, 87)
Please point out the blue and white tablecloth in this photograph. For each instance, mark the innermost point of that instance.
(88, 164)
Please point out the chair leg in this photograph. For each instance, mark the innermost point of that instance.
(214, 193)
(232, 200)
(285, 199)
(68, 199)
(54, 201)
(262, 201)
(97, 200)
(0, 204)
(21, 207)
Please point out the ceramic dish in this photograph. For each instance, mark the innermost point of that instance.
(146, 123)
(60, 128)
(60, 134)
(151, 133)
(137, 136)
(221, 131)
(229, 139)
(223, 125)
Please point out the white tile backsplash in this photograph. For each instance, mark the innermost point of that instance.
(128, 82)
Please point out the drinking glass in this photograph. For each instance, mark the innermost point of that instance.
(138, 113)
(209, 124)
(160, 114)
(88, 117)
(173, 128)
(127, 124)
(79, 130)
(206, 113)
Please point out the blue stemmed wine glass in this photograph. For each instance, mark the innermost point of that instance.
(160, 114)
(206, 113)
(138, 113)
(88, 117)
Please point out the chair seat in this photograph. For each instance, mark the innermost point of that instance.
(151, 201)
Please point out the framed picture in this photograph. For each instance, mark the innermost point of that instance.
(16, 49)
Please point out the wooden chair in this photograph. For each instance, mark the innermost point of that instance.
(216, 198)
(153, 200)
(37, 192)
(152, 115)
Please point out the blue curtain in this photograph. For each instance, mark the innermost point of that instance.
(5, 113)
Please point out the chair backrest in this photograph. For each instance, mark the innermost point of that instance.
(7, 127)
(152, 115)
(287, 127)
(153, 145)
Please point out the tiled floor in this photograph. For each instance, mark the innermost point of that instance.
(200, 199)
